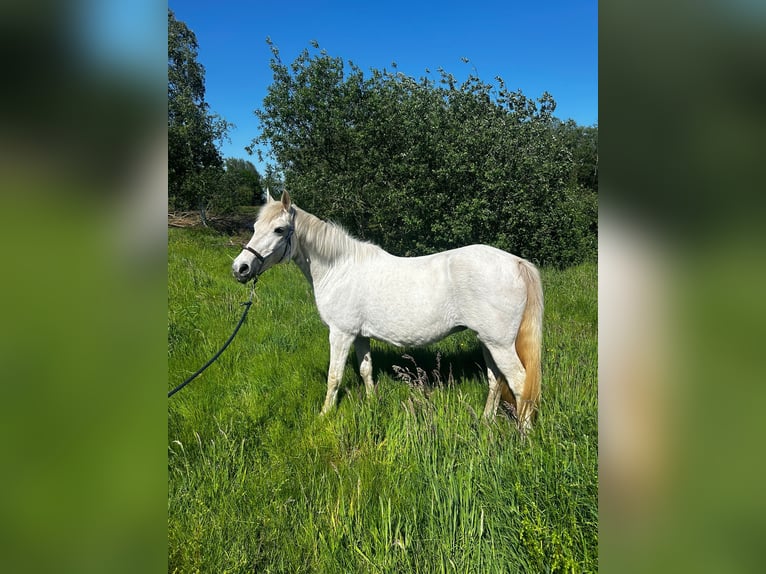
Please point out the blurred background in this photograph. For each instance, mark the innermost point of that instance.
(83, 194)
(681, 285)
(83, 190)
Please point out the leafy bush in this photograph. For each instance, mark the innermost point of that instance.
(420, 166)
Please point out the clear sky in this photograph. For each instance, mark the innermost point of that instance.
(534, 46)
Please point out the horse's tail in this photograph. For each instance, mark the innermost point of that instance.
(529, 342)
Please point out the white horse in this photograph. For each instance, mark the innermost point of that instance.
(362, 291)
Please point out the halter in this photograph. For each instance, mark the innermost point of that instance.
(288, 245)
(258, 256)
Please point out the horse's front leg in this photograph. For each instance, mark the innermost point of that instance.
(340, 343)
(364, 358)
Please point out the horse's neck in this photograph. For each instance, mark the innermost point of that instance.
(323, 246)
(310, 271)
(312, 256)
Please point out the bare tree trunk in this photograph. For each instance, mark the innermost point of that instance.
(202, 214)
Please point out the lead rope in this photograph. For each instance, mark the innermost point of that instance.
(247, 305)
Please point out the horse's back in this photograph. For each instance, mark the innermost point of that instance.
(473, 272)
(477, 269)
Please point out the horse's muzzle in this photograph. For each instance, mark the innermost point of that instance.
(243, 271)
(241, 277)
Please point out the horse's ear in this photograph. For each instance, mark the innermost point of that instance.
(285, 200)
(267, 196)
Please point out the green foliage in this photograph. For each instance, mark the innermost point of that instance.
(240, 185)
(195, 166)
(411, 480)
(272, 179)
(582, 142)
(420, 166)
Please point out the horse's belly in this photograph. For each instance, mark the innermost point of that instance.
(408, 339)
(408, 330)
(409, 304)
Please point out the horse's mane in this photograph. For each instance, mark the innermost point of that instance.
(329, 240)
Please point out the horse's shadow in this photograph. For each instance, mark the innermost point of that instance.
(425, 368)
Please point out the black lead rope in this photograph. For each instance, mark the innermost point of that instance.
(247, 305)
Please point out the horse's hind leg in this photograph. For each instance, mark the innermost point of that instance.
(495, 380)
(505, 369)
(364, 358)
(340, 343)
(498, 386)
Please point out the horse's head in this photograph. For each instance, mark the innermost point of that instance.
(272, 240)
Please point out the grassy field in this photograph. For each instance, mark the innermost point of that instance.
(411, 480)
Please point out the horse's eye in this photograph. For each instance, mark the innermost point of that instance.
(279, 230)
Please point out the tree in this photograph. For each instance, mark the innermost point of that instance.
(272, 180)
(428, 164)
(195, 166)
(240, 185)
(582, 142)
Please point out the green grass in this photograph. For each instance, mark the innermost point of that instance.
(411, 480)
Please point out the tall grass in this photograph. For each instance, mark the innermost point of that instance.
(411, 480)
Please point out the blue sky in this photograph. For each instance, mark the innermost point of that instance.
(534, 46)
